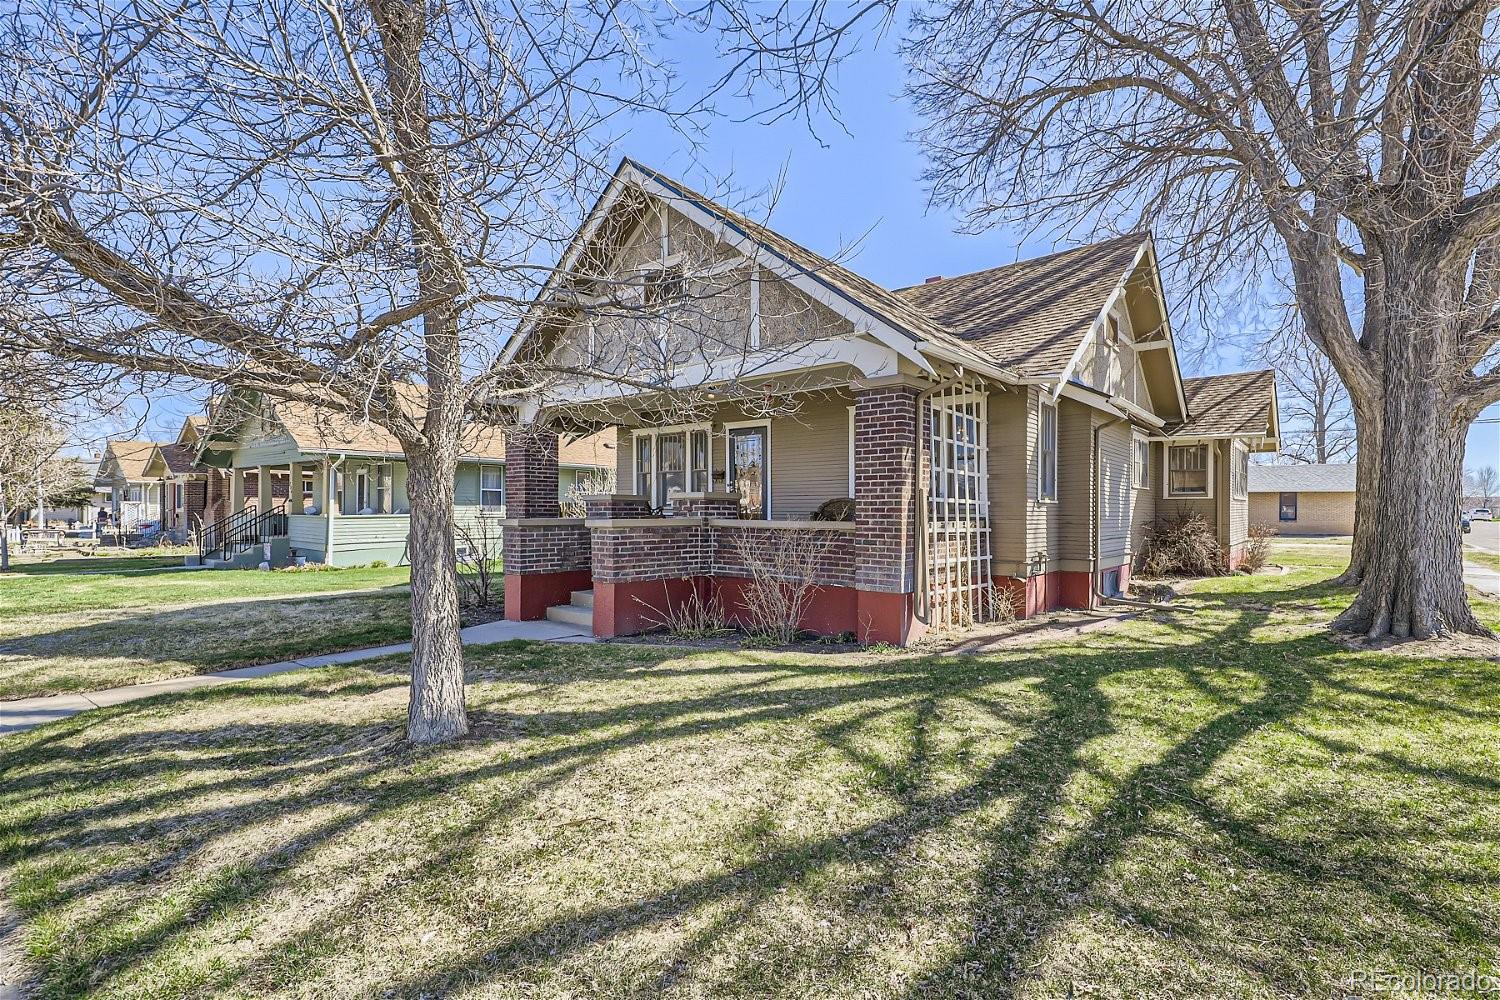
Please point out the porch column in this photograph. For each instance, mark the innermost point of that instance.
(886, 465)
(546, 557)
(236, 491)
(294, 489)
(263, 489)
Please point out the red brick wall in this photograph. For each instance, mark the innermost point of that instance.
(531, 475)
(885, 469)
(669, 549)
(835, 555)
(547, 548)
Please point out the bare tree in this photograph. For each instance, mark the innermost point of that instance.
(1350, 147)
(351, 205)
(1483, 481)
(1316, 419)
(32, 467)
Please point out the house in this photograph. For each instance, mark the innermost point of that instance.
(1303, 499)
(305, 482)
(1008, 432)
(135, 496)
(195, 491)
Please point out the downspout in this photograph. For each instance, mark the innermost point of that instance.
(329, 498)
(1097, 519)
(920, 604)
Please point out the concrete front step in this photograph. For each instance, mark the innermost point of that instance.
(567, 614)
(583, 598)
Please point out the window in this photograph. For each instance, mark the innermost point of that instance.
(361, 491)
(1142, 465)
(307, 486)
(338, 491)
(698, 467)
(1046, 452)
(665, 286)
(492, 487)
(672, 460)
(1188, 469)
(135, 494)
(1239, 471)
(1289, 506)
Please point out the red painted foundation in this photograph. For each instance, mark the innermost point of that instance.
(1073, 590)
(1236, 557)
(889, 618)
(529, 595)
(1045, 592)
(639, 606)
(830, 610)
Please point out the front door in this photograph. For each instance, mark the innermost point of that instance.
(749, 470)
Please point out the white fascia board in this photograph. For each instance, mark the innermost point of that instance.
(974, 364)
(1103, 315)
(864, 354)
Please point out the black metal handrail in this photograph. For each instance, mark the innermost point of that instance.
(242, 530)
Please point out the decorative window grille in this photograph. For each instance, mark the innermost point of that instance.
(959, 583)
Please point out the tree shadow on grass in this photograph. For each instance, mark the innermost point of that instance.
(1036, 873)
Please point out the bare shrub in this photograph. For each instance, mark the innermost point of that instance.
(1184, 545)
(478, 544)
(1005, 606)
(695, 619)
(594, 484)
(1258, 548)
(783, 571)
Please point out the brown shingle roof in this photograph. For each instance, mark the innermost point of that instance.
(315, 428)
(130, 456)
(1030, 315)
(178, 458)
(1239, 403)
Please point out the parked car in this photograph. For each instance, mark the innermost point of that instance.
(1464, 523)
(1480, 514)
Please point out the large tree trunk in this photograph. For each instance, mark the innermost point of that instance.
(1366, 489)
(436, 713)
(1412, 573)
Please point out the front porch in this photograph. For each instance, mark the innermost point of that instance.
(697, 496)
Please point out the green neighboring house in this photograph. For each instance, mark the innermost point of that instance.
(331, 489)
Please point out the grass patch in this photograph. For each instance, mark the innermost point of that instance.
(84, 632)
(1479, 557)
(108, 562)
(1220, 803)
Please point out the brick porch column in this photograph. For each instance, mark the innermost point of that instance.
(547, 557)
(886, 463)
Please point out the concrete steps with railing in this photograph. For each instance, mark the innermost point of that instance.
(579, 613)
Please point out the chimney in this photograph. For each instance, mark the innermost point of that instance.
(933, 280)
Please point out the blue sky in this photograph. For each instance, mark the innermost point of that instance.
(857, 189)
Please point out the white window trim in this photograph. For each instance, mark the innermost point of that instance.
(1166, 470)
(497, 467)
(655, 432)
(1046, 404)
(770, 466)
(1236, 450)
(1136, 440)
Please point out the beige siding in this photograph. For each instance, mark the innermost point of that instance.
(1012, 480)
(1143, 504)
(1317, 513)
(1115, 494)
(809, 454)
(1075, 484)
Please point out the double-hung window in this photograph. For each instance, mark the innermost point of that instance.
(1288, 506)
(1046, 452)
(1142, 461)
(1189, 467)
(672, 460)
(492, 487)
(1239, 472)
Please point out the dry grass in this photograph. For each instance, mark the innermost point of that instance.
(1218, 804)
(75, 632)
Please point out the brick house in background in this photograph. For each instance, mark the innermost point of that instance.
(1304, 499)
(1013, 430)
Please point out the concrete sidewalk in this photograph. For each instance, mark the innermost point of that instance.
(26, 713)
(1482, 579)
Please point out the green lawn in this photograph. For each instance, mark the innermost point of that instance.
(86, 631)
(1220, 803)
